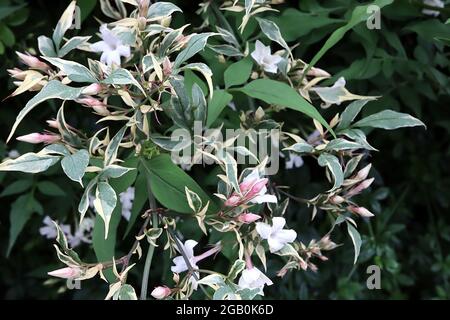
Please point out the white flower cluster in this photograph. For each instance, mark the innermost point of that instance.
(82, 234)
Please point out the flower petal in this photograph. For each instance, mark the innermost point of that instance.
(264, 230)
(180, 265)
(189, 248)
(269, 198)
(278, 223)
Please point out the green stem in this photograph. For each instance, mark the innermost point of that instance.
(151, 248)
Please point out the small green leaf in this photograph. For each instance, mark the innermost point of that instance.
(51, 189)
(333, 164)
(196, 43)
(238, 73)
(30, 163)
(75, 165)
(17, 187)
(218, 102)
(356, 239)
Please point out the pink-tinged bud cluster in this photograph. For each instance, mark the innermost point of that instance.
(167, 67)
(248, 218)
(17, 74)
(249, 188)
(95, 104)
(92, 89)
(33, 62)
(161, 292)
(66, 273)
(360, 187)
(363, 212)
(337, 200)
(316, 72)
(39, 138)
(364, 172)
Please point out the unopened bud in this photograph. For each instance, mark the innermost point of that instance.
(360, 187)
(363, 212)
(32, 61)
(92, 89)
(337, 200)
(66, 273)
(39, 138)
(364, 172)
(161, 292)
(233, 201)
(53, 124)
(248, 218)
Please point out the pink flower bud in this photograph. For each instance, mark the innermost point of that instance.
(337, 200)
(161, 292)
(39, 138)
(53, 124)
(92, 89)
(32, 61)
(316, 72)
(233, 201)
(257, 187)
(90, 102)
(66, 273)
(248, 218)
(167, 67)
(360, 187)
(246, 185)
(363, 212)
(363, 173)
(17, 74)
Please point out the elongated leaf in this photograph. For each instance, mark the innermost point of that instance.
(238, 73)
(30, 163)
(123, 77)
(196, 43)
(64, 24)
(332, 163)
(359, 14)
(74, 166)
(389, 120)
(113, 147)
(161, 10)
(350, 113)
(218, 102)
(105, 203)
(53, 90)
(74, 71)
(271, 30)
(356, 239)
(168, 184)
(279, 93)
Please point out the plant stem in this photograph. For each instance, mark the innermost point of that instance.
(151, 248)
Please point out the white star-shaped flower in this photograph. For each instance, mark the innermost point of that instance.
(264, 57)
(276, 237)
(253, 278)
(111, 47)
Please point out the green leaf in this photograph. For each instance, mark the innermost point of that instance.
(122, 77)
(7, 36)
(104, 246)
(21, 211)
(162, 9)
(64, 24)
(301, 147)
(218, 102)
(74, 71)
(75, 165)
(356, 239)
(350, 113)
(333, 164)
(389, 120)
(51, 189)
(238, 73)
(204, 70)
(72, 44)
(17, 187)
(30, 163)
(342, 144)
(168, 184)
(105, 203)
(127, 293)
(359, 14)
(53, 90)
(236, 268)
(196, 43)
(46, 46)
(279, 93)
(113, 147)
(271, 30)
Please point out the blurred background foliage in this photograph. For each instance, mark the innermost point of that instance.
(406, 62)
